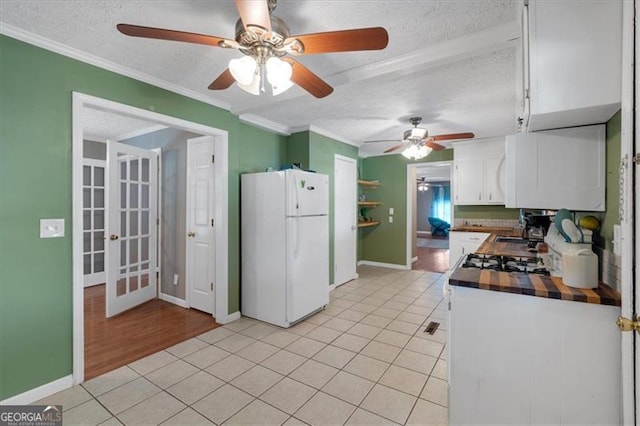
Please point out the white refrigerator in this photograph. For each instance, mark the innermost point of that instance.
(285, 245)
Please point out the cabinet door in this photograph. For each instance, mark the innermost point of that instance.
(575, 68)
(494, 180)
(557, 169)
(468, 182)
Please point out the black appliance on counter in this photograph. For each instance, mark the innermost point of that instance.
(535, 223)
(525, 265)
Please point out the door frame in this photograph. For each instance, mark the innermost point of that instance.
(81, 101)
(336, 158)
(188, 252)
(411, 186)
(629, 232)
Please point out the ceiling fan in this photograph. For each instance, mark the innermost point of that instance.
(269, 47)
(419, 144)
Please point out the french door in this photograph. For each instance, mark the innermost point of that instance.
(132, 220)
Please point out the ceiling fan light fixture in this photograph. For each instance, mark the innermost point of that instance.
(415, 152)
(423, 186)
(243, 70)
(415, 134)
(279, 74)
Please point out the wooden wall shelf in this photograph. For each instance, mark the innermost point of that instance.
(369, 203)
(368, 224)
(369, 183)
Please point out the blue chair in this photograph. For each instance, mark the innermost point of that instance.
(439, 227)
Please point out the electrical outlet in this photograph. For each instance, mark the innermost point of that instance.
(390, 219)
(391, 210)
(175, 279)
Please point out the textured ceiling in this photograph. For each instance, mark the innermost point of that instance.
(101, 125)
(470, 87)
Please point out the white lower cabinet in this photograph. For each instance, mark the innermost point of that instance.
(461, 243)
(525, 360)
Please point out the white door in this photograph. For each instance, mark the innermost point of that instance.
(132, 245)
(345, 219)
(200, 225)
(93, 221)
(307, 276)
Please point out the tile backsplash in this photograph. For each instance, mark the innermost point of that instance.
(610, 271)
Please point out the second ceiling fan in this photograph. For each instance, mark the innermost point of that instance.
(418, 144)
(269, 47)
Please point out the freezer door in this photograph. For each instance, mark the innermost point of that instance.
(307, 265)
(307, 193)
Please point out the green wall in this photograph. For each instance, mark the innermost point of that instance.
(485, 212)
(35, 182)
(317, 152)
(611, 216)
(387, 242)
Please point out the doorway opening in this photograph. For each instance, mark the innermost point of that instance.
(118, 241)
(430, 215)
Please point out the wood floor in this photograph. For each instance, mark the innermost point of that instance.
(431, 259)
(146, 329)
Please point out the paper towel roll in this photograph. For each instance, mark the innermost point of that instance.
(580, 269)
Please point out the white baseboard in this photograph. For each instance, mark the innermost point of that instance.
(332, 287)
(229, 318)
(172, 299)
(414, 259)
(383, 265)
(423, 232)
(40, 392)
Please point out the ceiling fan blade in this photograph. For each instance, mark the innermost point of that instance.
(434, 146)
(375, 38)
(254, 15)
(395, 147)
(452, 136)
(224, 81)
(164, 34)
(306, 79)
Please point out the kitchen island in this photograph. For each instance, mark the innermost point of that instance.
(527, 349)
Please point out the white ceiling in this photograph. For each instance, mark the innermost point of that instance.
(451, 62)
(101, 126)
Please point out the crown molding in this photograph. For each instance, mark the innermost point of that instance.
(265, 124)
(70, 52)
(326, 133)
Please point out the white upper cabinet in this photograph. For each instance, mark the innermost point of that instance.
(479, 172)
(554, 169)
(570, 67)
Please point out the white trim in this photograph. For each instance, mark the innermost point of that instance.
(80, 101)
(158, 271)
(411, 184)
(230, 317)
(629, 289)
(414, 259)
(326, 133)
(53, 46)
(265, 124)
(383, 265)
(332, 287)
(172, 299)
(40, 392)
(140, 132)
(423, 232)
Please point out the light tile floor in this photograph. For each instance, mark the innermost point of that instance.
(364, 360)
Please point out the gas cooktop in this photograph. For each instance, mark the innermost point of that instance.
(525, 265)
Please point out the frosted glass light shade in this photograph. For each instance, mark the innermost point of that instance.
(414, 152)
(279, 75)
(243, 70)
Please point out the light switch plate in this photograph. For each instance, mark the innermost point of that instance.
(391, 210)
(51, 228)
(390, 219)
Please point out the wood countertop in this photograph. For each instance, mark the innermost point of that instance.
(504, 231)
(527, 284)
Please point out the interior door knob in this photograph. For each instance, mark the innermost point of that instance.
(113, 237)
(191, 234)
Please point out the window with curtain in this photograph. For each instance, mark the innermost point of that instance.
(441, 204)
